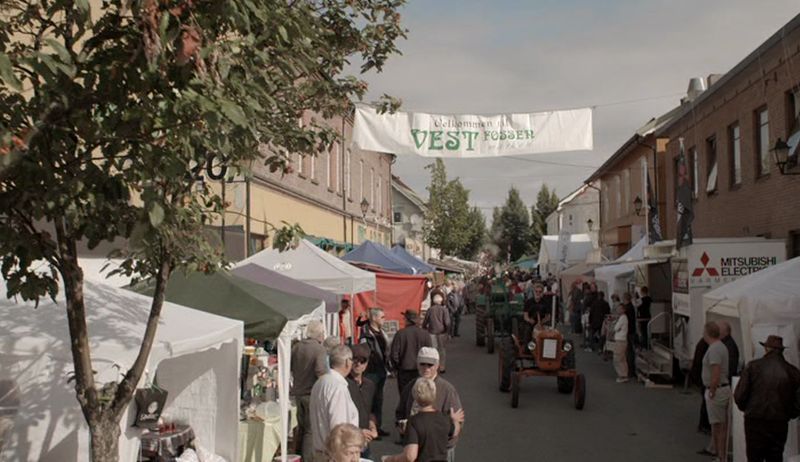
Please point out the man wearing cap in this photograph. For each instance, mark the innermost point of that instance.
(767, 394)
(362, 392)
(405, 347)
(447, 398)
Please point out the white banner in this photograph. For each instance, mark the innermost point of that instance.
(436, 135)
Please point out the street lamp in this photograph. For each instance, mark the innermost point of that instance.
(782, 159)
(589, 224)
(637, 206)
(364, 208)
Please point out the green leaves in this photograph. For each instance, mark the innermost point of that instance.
(156, 214)
(7, 73)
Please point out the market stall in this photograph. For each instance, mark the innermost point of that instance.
(268, 314)
(395, 293)
(198, 367)
(420, 266)
(372, 253)
(614, 278)
(763, 303)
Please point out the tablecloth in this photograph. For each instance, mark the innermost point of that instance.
(259, 441)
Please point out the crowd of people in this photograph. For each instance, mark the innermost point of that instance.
(338, 384)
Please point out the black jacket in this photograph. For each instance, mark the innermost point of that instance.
(768, 389)
(597, 313)
(377, 343)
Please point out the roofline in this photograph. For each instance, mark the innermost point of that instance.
(773, 40)
(409, 194)
(622, 151)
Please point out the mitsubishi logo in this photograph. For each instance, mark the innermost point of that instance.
(699, 271)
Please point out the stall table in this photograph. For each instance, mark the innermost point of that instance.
(259, 440)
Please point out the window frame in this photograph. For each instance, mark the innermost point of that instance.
(735, 154)
(758, 142)
(711, 154)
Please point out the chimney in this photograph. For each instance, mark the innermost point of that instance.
(696, 86)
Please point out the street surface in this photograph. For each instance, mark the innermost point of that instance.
(621, 422)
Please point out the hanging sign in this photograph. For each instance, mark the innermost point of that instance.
(436, 135)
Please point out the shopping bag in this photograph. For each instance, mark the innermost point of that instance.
(149, 405)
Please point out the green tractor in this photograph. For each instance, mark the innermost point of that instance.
(497, 316)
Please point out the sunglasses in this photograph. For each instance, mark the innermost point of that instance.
(426, 364)
(359, 361)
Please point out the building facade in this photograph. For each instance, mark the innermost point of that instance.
(408, 216)
(323, 194)
(577, 213)
(728, 133)
(623, 192)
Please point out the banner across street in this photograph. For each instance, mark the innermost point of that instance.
(467, 136)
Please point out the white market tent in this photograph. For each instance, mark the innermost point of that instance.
(614, 276)
(578, 247)
(312, 265)
(758, 305)
(198, 366)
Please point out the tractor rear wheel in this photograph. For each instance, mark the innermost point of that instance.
(580, 391)
(505, 361)
(565, 384)
(480, 325)
(515, 389)
(490, 336)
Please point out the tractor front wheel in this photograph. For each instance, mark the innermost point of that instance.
(490, 336)
(580, 391)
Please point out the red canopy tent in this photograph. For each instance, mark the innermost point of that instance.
(395, 293)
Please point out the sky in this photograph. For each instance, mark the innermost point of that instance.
(629, 59)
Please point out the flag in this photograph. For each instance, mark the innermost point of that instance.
(684, 201)
(654, 222)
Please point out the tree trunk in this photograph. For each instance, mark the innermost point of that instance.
(105, 440)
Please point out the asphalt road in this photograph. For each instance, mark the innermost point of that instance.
(621, 422)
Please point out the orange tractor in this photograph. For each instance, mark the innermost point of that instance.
(548, 354)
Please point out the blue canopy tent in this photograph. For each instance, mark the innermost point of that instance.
(372, 253)
(420, 266)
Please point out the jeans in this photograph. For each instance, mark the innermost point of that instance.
(456, 322)
(377, 404)
(306, 442)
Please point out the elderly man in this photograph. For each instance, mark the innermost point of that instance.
(330, 402)
(718, 389)
(373, 336)
(405, 347)
(437, 323)
(309, 362)
(447, 398)
(767, 394)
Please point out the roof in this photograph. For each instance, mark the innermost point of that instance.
(652, 126)
(409, 193)
(375, 254)
(743, 64)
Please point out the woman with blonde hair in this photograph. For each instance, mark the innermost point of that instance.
(344, 444)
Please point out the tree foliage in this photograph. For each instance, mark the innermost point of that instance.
(104, 114)
(546, 203)
(512, 232)
(477, 234)
(447, 223)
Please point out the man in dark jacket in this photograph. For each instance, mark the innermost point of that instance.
(362, 392)
(643, 317)
(630, 312)
(405, 347)
(373, 336)
(455, 302)
(597, 314)
(437, 323)
(767, 394)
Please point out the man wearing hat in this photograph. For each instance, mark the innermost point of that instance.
(405, 347)
(447, 398)
(767, 394)
(362, 392)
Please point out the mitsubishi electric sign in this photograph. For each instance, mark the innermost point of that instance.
(715, 264)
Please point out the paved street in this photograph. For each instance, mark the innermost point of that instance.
(621, 422)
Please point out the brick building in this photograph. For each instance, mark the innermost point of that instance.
(729, 131)
(323, 195)
(622, 181)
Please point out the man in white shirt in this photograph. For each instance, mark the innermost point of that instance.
(331, 404)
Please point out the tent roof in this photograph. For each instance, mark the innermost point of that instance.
(116, 321)
(579, 245)
(312, 265)
(275, 280)
(375, 254)
(420, 266)
(264, 311)
(579, 269)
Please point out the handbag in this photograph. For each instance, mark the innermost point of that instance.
(149, 406)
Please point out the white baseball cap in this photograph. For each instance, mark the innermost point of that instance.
(428, 355)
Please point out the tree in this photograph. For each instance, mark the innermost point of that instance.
(106, 114)
(512, 233)
(447, 216)
(476, 232)
(546, 203)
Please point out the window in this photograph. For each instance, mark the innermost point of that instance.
(694, 160)
(762, 142)
(626, 191)
(794, 243)
(735, 154)
(372, 189)
(605, 192)
(380, 196)
(333, 167)
(618, 197)
(313, 170)
(301, 160)
(711, 163)
(645, 172)
(792, 112)
(347, 183)
(398, 217)
(361, 179)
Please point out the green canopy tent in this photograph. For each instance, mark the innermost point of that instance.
(527, 262)
(267, 314)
